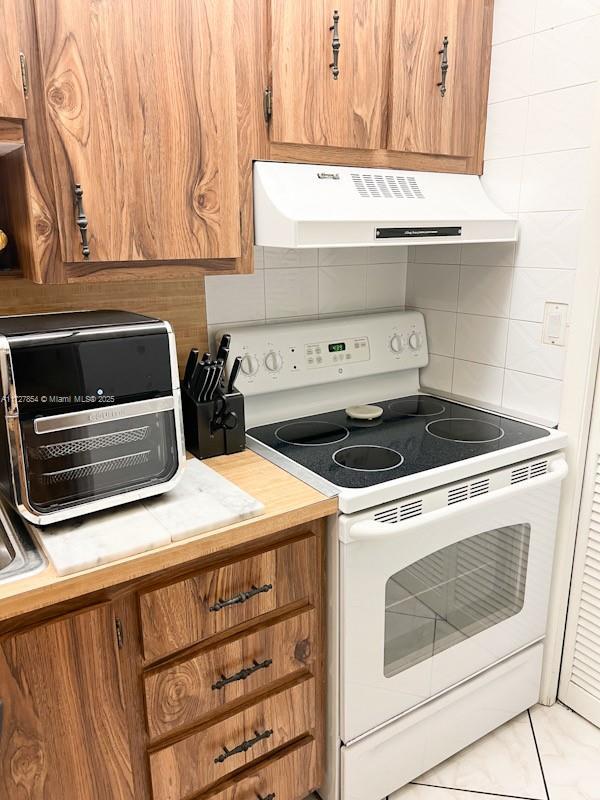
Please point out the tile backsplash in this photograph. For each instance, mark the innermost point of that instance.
(290, 284)
(484, 304)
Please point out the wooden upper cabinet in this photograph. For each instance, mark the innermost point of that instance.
(141, 108)
(423, 119)
(12, 100)
(310, 106)
(64, 722)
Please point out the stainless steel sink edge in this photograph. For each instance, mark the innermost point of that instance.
(25, 557)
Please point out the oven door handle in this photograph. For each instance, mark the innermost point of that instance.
(371, 529)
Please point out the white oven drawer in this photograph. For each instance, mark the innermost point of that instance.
(427, 602)
(374, 767)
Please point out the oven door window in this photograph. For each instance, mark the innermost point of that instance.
(453, 594)
(73, 466)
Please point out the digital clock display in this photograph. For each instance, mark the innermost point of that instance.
(337, 347)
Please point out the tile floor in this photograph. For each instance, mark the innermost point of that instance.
(547, 753)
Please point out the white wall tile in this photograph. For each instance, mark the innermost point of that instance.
(485, 291)
(565, 56)
(436, 253)
(549, 239)
(432, 286)
(526, 351)
(437, 375)
(550, 13)
(342, 289)
(279, 257)
(532, 288)
(561, 120)
(506, 128)
(481, 339)
(554, 181)
(510, 74)
(490, 254)
(441, 331)
(230, 298)
(259, 257)
(386, 285)
(342, 256)
(531, 394)
(291, 292)
(502, 180)
(391, 254)
(479, 382)
(512, 19)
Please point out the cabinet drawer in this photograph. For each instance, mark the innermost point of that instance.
(205, 757)
(290, 777)
(181, 694)
(193, 609)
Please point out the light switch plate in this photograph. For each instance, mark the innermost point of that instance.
(555, 324)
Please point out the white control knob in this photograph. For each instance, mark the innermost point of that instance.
(273, 361)
(396, 343)
(249, 365)
(414, 341)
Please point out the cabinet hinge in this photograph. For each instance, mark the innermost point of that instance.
(119, 628)
(24, 74)
(268, 104)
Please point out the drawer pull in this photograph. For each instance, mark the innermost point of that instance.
(244, 746)
(244, 673)
(241, 597)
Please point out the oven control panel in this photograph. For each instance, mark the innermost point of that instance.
(299, 354)
(327, 354)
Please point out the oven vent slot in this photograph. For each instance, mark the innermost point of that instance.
(401, 187)
(527, 471)
(459, 494)
(400, 513)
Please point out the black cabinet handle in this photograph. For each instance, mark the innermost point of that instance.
(335, 45)
(244, 673)
(244, 746)
(443, 66)
(242, 597)
(82, 221)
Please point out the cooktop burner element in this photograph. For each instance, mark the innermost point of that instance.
(368, 458)
(311, 433)
(475, 431)
(414, 434)
(419, 406)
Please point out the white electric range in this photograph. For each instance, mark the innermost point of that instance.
(440, 560)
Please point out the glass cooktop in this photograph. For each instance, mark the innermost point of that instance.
(412, 435)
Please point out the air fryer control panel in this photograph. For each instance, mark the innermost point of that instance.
(294, 355)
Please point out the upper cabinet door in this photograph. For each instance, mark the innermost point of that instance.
(12, 100)
(141, 107)
(310, 104)
(437, 110)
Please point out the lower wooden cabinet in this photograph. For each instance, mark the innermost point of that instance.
(231, 707)
(64, 722)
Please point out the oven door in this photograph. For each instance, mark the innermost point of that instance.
(428, 602)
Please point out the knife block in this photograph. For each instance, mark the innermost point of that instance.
(216, 427)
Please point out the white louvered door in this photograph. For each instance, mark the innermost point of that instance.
(580, 673)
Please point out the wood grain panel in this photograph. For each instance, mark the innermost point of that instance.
(309, 106)
(188, 766)
(292, 775)
(181, 302)
(141, 110)
(179, 615)
(64, 712)
(421, 120)
(182, 694)
(12, 100)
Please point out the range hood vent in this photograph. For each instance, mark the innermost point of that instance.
(310, 205)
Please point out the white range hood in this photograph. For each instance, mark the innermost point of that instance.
(312, 205)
